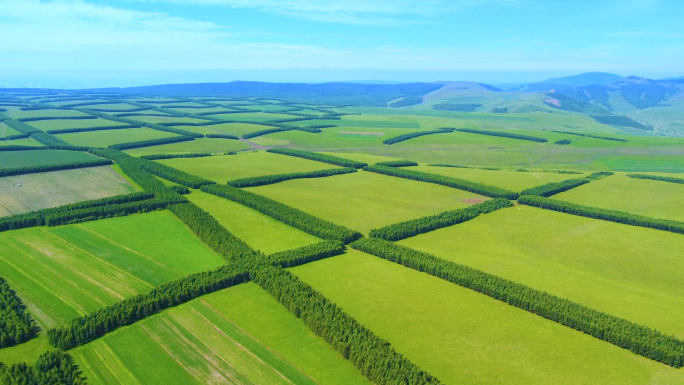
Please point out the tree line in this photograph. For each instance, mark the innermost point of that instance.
(413, 227)
(153, 126)
(286, 214)
(275, 178)
(373, 357)
(337, 161)
(657, 177)
(589, 135)
(603, 214)
(221, 136)
(133, 168)
(618, 331)
(471, 167)
(599, 175)
(267, 131)
(49, 139)
(503, 134)
(52, 368)
(87, 328)
(151, 142)
(15, 137)
(461, 184)
(306, 254)
(38, 118)
(411, 135)
(16, 325)
(97, 128)
(546, 190)
(172, 156)
(53, 167)
(17, 125)
(174, 175)
(397, 163)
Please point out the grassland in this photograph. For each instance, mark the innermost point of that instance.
(255, 117)
(6, 130)
(364, 200)
(18, 114)
(260, 231)
(110, 137)
(62, 124)
(166, 119)
(627, 271)
(197, 145)
(24, 193)
(239, 335)
(221, 169)
(12, 159)
(67, 271)
(21, 142)
(639, 196)
(112, 106)
(464, 337)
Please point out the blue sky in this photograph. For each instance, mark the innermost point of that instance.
(74, 43)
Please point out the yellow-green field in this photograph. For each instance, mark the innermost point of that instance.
(62, 124)
(197, 145)
(109, 137)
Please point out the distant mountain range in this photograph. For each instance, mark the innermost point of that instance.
(585, 79)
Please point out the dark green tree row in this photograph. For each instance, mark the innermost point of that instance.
(657, 177)
(503, 134)
(98, 128)
(599, 175)
(52, 368)
(38, 118)
(15, 137)
(153, 126)
(397, 163)
(603, 214)
(53, 167)
(413, 227)
(170, 173)
(308, 129)
(373, 356)
(546, 190)
(618, 331)
(461, 184)
(110, 211)
(209, 230)
(563, 142)
(86, 328)
(16, 325)
(306, 254)
(318, 157)
(549, 171)
(323, 126)
(49, 139)
(286, 214)
(160, 127)
(221, 136)
(271, 179)
(411, 135)
(17, 125)
(471, 167)
(133, 167)
(306, 118)
(151, 142)
(255, 134)
(171, 156)
(590, 136)
(458, 107)
(119, 110)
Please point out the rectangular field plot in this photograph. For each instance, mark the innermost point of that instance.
(246, 165)
(255, 117)
(193, 146)
(508, 179)
(365, 200)
(30, 192)
(64, 124)
(638, 196)
(67, 271)
(259, 231)
(6, 130)
(110, 137)
(359, 157)
(627, 271)
(166, 119)
(112, 107)
(12, 159)
(46, 113)
(21, 142)
(239, 335)
(464, 337)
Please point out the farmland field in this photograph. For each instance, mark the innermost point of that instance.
(12, 159)
(46, 113)
(197, 145)
(167, 119)
(63, 124)
(23, 193)
(110, 137)
(378, 200)
(255, 117)
(67, 271)
(464, 337)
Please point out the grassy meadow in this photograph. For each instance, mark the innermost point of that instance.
(63, 124)
(193, 146)
(15, 159)
(109, 137)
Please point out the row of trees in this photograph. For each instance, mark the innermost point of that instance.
(413, 227)
(371, 355)
(52, 368)
(472, 167)
(310, 129)
(171, 156)
(590, 136)
(397, 163)
(15, 136)
(657, 177)
(549, 171)
(97, 128)
(275, 178)
(599, 175)
(86, 328)
(474, 187)
(17, 125)
(151, 142)
(133, 168)
(618, 331)
(503, 134)
(153, 126)
(221, 136)
(603, 214)
(16, 325)
(267, 131)
(37, 118)
(411, 135)
(306, 254)
(337, 161)
(554, 188)
(49, 139)
(286, 214)
(53, 167)
(170, 173)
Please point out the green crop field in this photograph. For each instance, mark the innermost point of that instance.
(464, 337)
(6, 130)
(639, 196)
(255, 117)
(23, 193)
(67, 271)
(15, 159)
(197, 145)
(63, 124)
(166, 119)
(109, 137)
(46, 113)
(21, 142)
(238, 335)
(378, 200)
